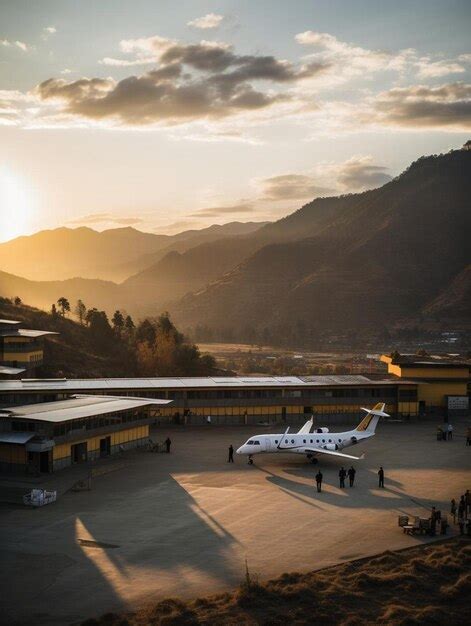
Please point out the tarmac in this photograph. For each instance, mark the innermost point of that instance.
(185, 524)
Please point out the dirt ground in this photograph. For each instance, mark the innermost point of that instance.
(183, 524)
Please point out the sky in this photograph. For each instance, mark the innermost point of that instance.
(167, 115)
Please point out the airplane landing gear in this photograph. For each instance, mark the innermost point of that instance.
(250, 460)
(314, 461)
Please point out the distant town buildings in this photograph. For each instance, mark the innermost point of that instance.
(21, 349)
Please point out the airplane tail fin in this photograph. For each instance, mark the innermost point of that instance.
(370, 421)
(307, 427)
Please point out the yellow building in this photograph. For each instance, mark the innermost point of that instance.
(52, 435)
(21, 349)
(442, 382)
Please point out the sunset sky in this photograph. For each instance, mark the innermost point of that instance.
(169, 115)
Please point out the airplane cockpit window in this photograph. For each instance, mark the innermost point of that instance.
(250, 443)
(256, 443)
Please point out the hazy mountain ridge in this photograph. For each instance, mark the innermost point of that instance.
(113, 254)
(378, 257)
(381, 257)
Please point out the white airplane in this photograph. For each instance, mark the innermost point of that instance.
(320, 442)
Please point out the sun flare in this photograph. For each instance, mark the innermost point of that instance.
(16, 205)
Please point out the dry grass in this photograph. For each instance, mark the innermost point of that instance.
(425, 585)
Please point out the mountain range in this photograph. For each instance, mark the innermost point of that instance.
(113, 254)
(398, 254)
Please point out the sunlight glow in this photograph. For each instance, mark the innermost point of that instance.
(17, 205)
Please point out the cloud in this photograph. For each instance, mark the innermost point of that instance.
(66, 71)
(47, 32)
(347, 60)
(18, 44)
(126, 62)
(326, 179)
(291, 187)
(102, 218)
(427, 68)
(359, 173)
(445, 106)
(193, 82)
(175, 227)
(243, 207)
(208, 21)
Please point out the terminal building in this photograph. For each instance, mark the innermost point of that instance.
(234, 400)
(21, 349)
(443, 381)
(52, 435)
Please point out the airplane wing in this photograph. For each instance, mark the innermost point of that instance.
(306, 428)
(332, 453)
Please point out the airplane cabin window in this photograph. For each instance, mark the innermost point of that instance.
(317, 440)
(292, 440)
(323, 441)
(330, 440)
(304, 441)
(286, 441)
(276, 440)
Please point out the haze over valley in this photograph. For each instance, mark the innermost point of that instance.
(393, 255)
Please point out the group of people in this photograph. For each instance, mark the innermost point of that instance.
(445, 433)
(461, 512)
(343, 473)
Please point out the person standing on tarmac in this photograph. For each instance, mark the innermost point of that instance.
(381, 477)
(168, 443)
(231, 454)
(342, 474)
(351, 475)
(319, 478)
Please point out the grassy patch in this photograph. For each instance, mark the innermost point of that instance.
(425, 585)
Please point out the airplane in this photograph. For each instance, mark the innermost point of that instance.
(320, 442)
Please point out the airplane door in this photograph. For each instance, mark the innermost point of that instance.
(267, 443)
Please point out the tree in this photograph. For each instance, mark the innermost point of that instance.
(90, 313)
(64, 305)
(129, 327)
(162, 350)
(118, 323)
(101, 333)
(17, 301)
(80, 311)
(146, 332)
(395, 356)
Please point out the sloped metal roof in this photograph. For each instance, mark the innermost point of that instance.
(77, 408)
(91, 385)
(11, 371)
(16, 437)
(25, 332)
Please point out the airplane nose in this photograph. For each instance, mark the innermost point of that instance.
(239, 450)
